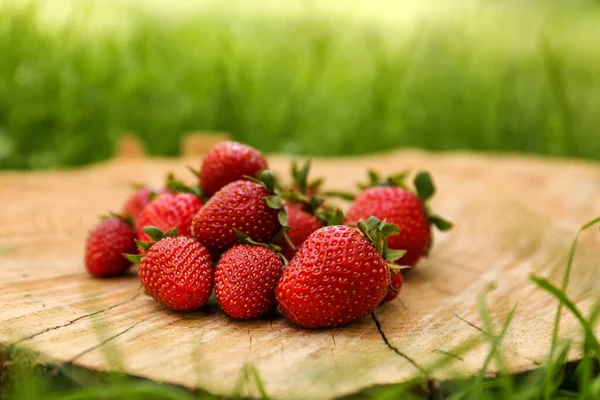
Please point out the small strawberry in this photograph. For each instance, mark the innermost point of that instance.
(396, 282)
(106, 245)
(168, 211)
(246, 277)
(175, 270)
(249, 206)
(229, 162)
(301, 224)
(400, 206)
(339, 275)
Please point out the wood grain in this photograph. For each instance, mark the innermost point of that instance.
(513, 216)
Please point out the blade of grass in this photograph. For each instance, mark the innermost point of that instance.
(567, 302)
(146, 390)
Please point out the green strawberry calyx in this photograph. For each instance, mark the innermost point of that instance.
(377, 232)
(245, 239)
(309, 194)
(329, 216)
(425, 190)
(175, 185)
(156, 234)
(302, 191)
(376, 180)
(127, 218)
(267, 179)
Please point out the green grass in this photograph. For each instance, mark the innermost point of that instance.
(555, 379)
(523, 77)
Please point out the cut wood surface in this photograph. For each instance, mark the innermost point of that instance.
(514, 216)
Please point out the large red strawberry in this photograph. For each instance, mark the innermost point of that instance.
(170, 210)
(400, 206)
(245, 280)
(246, 205)
(175, 270)
(106, 245)
(339, 275)
(228, 162)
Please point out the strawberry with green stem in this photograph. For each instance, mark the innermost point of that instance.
(250, 206)
(228, 162)
(389, 199)
(176, 271)
(246, 277)
(339, 274)
(176, 208)
(105, 245)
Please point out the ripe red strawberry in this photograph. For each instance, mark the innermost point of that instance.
(301, 224)
(106, 245)
(245, 205)
(338, 275)
(400, 206)
(168, 211)
(229, 162)
(396, 283)
(245, 280)
(175, 270)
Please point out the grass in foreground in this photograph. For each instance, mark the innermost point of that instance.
(554, 380)
(522, 77)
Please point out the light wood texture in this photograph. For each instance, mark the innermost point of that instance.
(514, 216)
(199, 143)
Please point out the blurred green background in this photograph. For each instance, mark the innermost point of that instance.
(303, 77)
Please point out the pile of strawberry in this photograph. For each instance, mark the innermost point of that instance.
(237, 229)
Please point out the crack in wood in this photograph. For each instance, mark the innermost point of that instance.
(71, 322)
(535, 362)
(83, 353)
(471, 324)
(394, 348)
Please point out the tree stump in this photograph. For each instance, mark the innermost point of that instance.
(513, 216)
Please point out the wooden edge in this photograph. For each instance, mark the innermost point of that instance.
(129, 147)
(424, 386)
(193, 144)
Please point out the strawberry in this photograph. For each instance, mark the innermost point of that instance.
(400, 206)
(136, 203)
(339, 275)
(246, 277)
(229, 162)
(168, 211)
(247, 205)
(106, 245)
(175, 270)
(396, 282)
(301, 224)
